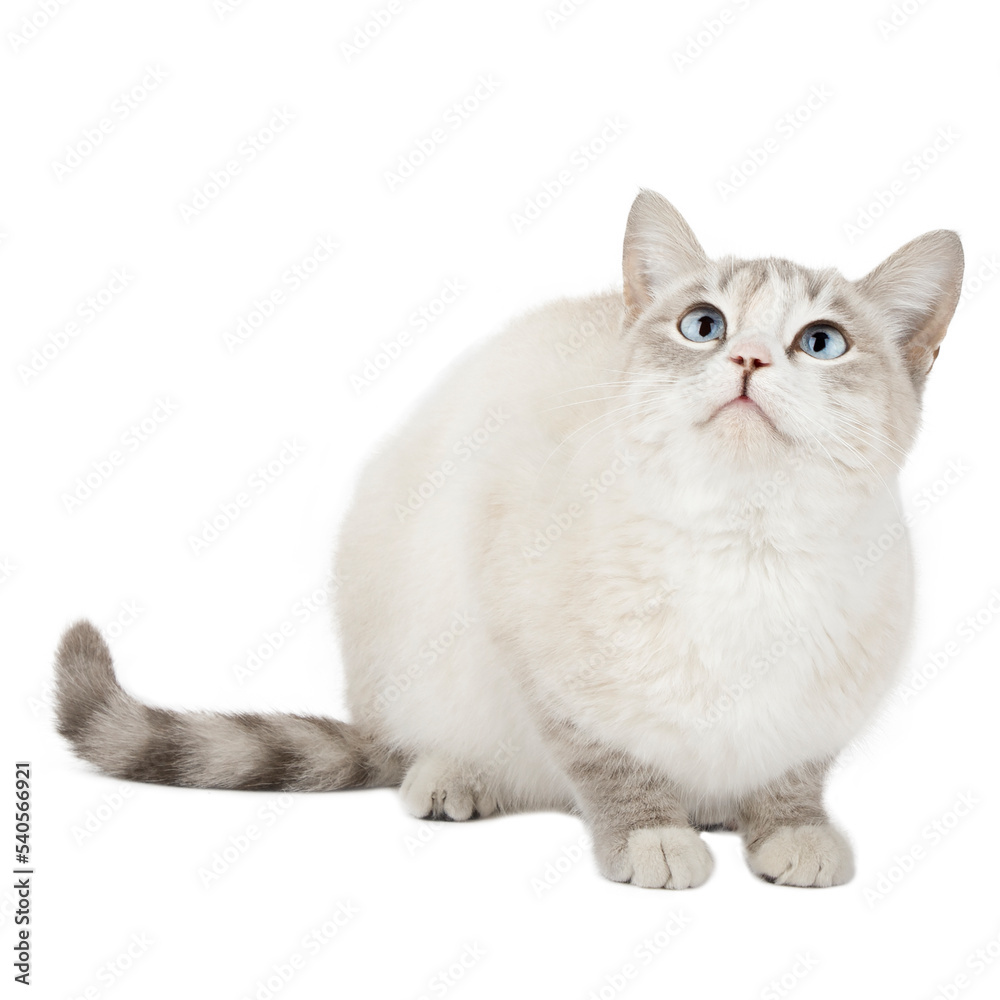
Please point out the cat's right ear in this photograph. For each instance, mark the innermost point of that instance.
(659, 246)
(917, 290)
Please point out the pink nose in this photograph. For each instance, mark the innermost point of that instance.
(750, 354)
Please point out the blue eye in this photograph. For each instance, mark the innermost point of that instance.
(701, 324)
(823, 342)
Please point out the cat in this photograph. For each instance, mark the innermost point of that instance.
(614, 565)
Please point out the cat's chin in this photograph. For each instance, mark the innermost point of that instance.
(743, 433)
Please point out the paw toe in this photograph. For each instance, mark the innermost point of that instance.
(431, 790)
(662, 858)
(815, 855)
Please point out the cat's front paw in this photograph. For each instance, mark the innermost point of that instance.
(664, 857)
(813, 855)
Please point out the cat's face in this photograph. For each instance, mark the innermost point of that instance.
(759, 359)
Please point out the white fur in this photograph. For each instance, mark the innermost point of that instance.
(653, 603)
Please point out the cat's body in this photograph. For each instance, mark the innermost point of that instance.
(695, 594)
(610, 567)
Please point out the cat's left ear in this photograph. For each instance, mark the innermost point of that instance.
(659, 246)
(917, 290)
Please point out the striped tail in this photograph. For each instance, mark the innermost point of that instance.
(127, 739)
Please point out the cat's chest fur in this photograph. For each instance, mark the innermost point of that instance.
(732, 654)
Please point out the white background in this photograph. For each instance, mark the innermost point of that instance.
(115, 861)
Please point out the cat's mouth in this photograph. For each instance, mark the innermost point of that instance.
(745, 412)
(745, 402)
(746, 407)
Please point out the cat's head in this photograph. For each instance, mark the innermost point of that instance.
(748, 359)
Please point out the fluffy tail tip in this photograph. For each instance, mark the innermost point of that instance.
(85, 678)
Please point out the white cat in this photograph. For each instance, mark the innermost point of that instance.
(615, 563)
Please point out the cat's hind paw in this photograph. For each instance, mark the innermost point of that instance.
(435, 789)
